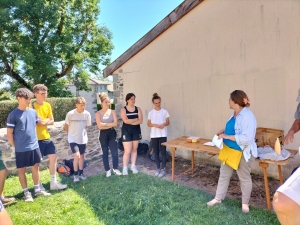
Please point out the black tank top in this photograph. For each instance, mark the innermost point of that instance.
(131, 115)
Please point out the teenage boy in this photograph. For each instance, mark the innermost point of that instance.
(21, 134)
(47, 148)
(77, 121)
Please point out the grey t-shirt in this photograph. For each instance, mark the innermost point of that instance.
(297, 113)
(23, 124)
(77, 126)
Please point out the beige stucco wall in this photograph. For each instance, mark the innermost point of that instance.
(220, 46)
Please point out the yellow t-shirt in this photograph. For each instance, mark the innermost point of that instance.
(44, 111)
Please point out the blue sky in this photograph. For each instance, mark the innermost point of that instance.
(129, 20)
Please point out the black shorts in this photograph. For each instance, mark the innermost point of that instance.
(28, 158)
(47, 147)
(78, 147)
(132, 133)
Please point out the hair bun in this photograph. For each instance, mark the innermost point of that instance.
(155, 94)
(103, 96)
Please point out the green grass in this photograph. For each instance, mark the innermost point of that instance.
(134, 199)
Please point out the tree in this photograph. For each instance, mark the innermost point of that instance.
(4, 95)
(41, 41)
(80, 80)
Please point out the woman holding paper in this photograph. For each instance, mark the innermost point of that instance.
(239, 134)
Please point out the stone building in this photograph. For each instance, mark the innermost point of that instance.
(97, 86)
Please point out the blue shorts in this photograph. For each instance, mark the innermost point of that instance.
(47, 147)
(28, 158)
(78, 147)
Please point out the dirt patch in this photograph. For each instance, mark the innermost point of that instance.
(205, 178)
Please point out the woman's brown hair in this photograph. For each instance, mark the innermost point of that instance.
(128, 96)
(155, 96)
(239, 97)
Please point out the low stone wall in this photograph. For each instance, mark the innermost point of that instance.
(59, 138)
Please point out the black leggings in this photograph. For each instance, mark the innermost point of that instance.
(108, 138)
(156, 144)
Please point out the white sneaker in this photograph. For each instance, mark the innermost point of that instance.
(108, 173)
(125, 171)
(162, 173)
(42, 187)
(41, 193)
(76, 178)
(28, 197)
(57, 186)
(134, 169)
(82, 177)
(157, 172)
(117, 172)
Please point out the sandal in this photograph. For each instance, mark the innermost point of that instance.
(245, 207)
(7, 200)
(214, 202)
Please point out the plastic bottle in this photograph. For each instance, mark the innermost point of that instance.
(277, 146)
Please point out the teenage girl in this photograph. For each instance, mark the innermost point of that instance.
(106, 120)
(131, 132)
(158, 120)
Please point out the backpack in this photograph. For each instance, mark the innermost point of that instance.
(143, 147)
(152, 156)
(120, 144)
(69, 163)
(63, 169)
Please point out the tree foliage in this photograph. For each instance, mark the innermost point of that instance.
(41, 41)
(80, 79)
(4, 95)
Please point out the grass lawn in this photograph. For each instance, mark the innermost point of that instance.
(135, 199)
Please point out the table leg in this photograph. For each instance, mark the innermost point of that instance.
(264, 167)
(280, 175)
(173, 162)
(193, 161)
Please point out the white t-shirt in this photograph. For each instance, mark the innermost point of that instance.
(291, 187)
(158, 117)
(77, 126)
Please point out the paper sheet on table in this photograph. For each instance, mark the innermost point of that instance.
(209, 143)
(218, 142)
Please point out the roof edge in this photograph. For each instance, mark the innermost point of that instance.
(162, 26)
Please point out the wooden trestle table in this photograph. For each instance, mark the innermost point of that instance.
(182, 143)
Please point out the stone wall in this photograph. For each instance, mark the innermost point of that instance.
(59, 137)
(119, 98)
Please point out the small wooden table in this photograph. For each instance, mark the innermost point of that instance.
(181, 142)
(264, 164)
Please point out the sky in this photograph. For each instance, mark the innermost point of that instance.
(129, 20)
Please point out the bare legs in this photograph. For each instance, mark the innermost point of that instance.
(35, 175)
(130, 150)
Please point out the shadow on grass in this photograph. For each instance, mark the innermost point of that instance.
(143, 199)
